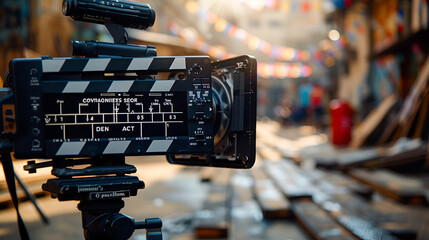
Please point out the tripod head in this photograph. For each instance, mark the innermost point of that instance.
(100, 188)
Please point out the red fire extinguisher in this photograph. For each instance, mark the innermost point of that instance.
(341, 122)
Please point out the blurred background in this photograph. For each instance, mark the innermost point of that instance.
(343, 118)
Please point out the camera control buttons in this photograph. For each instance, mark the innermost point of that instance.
(33, 72)
(36, 131)
(199, 115)
(200, 138)
(35, 119)
(35, 143)
(196, 69)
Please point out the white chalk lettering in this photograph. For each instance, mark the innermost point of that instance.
(128, 129)
(102, 129)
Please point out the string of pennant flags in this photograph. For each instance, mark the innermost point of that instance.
(282, 70)
(269, 70)
(253, 42)
(283, 6)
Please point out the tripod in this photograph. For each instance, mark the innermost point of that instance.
(100, 189)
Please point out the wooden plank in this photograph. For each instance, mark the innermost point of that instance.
(246, 214)
(404, 154)
(358, 157)
(370, 124)
(415, 96)
(363, 218)
(363, 229)
(317, 222)
(398, 187)
(339, 182)
(213, 219)
(390, 130)
(422, 116)
(414, 159)
(342, 197)
(272, 202)
(336, 194)
(289, 180)
(406, 128)
(402, 220)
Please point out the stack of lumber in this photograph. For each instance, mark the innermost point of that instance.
(395, 119)
(359, 204)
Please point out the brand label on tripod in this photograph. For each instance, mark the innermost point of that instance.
(109, 195)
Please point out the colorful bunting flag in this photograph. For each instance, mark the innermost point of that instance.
(253, 42)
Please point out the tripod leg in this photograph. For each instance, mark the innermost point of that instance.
(32, 199)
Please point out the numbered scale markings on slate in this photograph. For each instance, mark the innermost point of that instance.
(115, 115)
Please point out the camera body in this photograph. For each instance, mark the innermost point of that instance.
(91, 107)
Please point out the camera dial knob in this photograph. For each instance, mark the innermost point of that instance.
(119, 226)
(36, 131)
(196, 69)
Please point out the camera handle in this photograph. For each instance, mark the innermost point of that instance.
(118, 32)
(120, 48)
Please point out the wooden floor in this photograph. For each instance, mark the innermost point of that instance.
(279, 198)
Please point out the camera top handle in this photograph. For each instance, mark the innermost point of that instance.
(115, 16)
(125, 13)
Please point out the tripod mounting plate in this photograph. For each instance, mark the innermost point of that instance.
(93, 188)
(94, 170)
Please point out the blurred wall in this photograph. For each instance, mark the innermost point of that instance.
(352, 80)
(31, 28)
